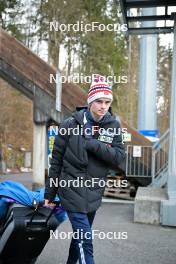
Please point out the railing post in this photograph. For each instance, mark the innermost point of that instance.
(153, 165)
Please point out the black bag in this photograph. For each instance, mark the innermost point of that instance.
(25, 233)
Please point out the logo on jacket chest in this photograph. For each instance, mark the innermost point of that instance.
(105, 139)
(106, 136)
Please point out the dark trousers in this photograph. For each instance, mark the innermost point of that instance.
(81, 247)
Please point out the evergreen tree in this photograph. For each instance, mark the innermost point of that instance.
(11, 12)
(164, 87)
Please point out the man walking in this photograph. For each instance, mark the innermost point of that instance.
(85, 158)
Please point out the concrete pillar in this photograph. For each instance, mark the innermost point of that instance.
(168, 207)
(39, 155)
(147, 77)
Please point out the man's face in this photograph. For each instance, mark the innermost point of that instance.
(100, 107)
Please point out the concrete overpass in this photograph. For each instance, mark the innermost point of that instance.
(28, 73)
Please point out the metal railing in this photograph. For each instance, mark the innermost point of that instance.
(160, 152)
(151, 161)
(139, 166)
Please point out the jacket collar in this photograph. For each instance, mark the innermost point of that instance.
(79, 115)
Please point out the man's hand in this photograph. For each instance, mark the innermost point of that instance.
(48, 203)
(91, 143)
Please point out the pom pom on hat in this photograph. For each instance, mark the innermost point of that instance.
(99, 88)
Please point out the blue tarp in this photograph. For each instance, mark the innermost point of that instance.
(20, 194)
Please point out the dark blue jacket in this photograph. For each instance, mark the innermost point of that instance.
(76, 157)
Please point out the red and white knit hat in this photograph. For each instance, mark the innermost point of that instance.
(99, 89)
